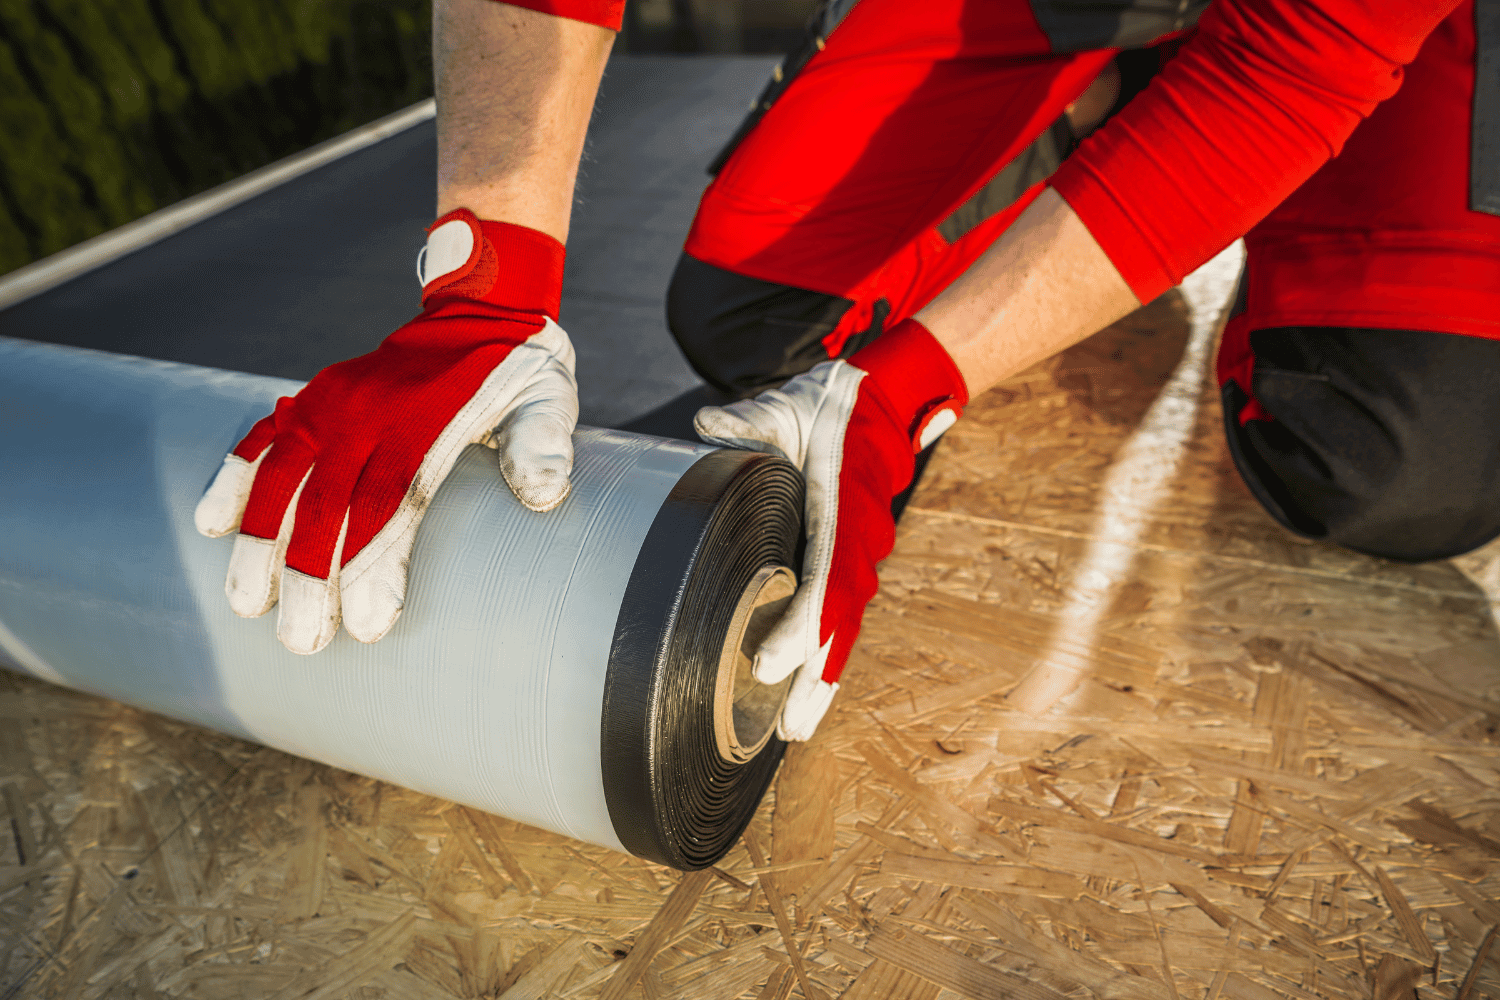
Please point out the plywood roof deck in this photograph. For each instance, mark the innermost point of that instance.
(1279, 777)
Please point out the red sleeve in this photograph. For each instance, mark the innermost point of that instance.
(604, 13)
(1266, 93)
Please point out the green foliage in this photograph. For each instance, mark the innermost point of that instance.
(110, 109)
(35, 174)
(13, 247)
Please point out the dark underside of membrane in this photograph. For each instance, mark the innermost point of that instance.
(672, 798)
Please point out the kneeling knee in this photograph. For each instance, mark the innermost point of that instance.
(1358, 444)
(1402, 516)
(1415, 531)
(744, 335)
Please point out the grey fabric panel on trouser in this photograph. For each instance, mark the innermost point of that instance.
(1484, 138)
(1035, 163)
(1081, 25)
(1070, 26)
(827, 17)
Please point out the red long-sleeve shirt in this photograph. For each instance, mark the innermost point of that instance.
(1265, 94)
(605, 13)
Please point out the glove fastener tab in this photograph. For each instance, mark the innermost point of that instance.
(466, 258)
(925, 388)
(933, 422)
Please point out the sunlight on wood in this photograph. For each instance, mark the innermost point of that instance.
(1278, 776)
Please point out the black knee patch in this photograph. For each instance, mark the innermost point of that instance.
(1383, 441)
(743, 335)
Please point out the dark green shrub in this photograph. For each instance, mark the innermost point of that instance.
(110, 109)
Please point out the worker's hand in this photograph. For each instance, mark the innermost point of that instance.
(853, 428)
(327, 491)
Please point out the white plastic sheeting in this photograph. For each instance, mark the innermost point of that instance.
(488, 690)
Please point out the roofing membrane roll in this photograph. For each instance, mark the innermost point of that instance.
(584, 670)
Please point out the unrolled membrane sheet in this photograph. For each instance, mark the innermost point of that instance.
(558, 668)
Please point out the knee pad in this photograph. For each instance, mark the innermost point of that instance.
(744, 335)
(1382, 441)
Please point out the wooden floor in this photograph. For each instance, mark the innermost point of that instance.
(1248, 767)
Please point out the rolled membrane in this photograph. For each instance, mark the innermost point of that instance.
(583, 670)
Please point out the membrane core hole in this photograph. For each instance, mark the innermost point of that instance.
(745, 710)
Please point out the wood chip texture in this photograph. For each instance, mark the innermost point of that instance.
(1278, 778)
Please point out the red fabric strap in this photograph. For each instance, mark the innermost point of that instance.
(604, 13)
(512, 266)
(915, 374)
(1265, 93)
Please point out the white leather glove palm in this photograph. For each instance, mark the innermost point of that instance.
(853, 428)
(328, 491)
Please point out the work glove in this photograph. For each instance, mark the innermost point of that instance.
(328, 490)
(853, 428)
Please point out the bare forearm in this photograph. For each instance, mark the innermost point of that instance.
(514, 93)
(1043, 286)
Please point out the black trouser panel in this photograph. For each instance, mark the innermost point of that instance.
(744, 335)
(1383, 441)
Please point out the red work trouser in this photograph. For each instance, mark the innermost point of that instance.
(912, 108)
(1352, 412)
(1357, 419)
(905, 114)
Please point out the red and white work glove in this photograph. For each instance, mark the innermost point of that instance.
(853, 428)
(327, 491)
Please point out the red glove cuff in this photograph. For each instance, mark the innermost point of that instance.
(506, 265)
(918, 378)
(604, 13)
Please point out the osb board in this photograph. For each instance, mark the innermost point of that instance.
(1278, 778)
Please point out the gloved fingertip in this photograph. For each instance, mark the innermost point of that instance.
(251, 583)
(804, 709)
(545, 500)
(722, 426)
(375, 599)
(369, 628)
(772, 666)
(536, 454)
(709, 419)
(718, 425)
(223, 504)
(791, 642)
(539, 487)
(210, 521)
(310, 612)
